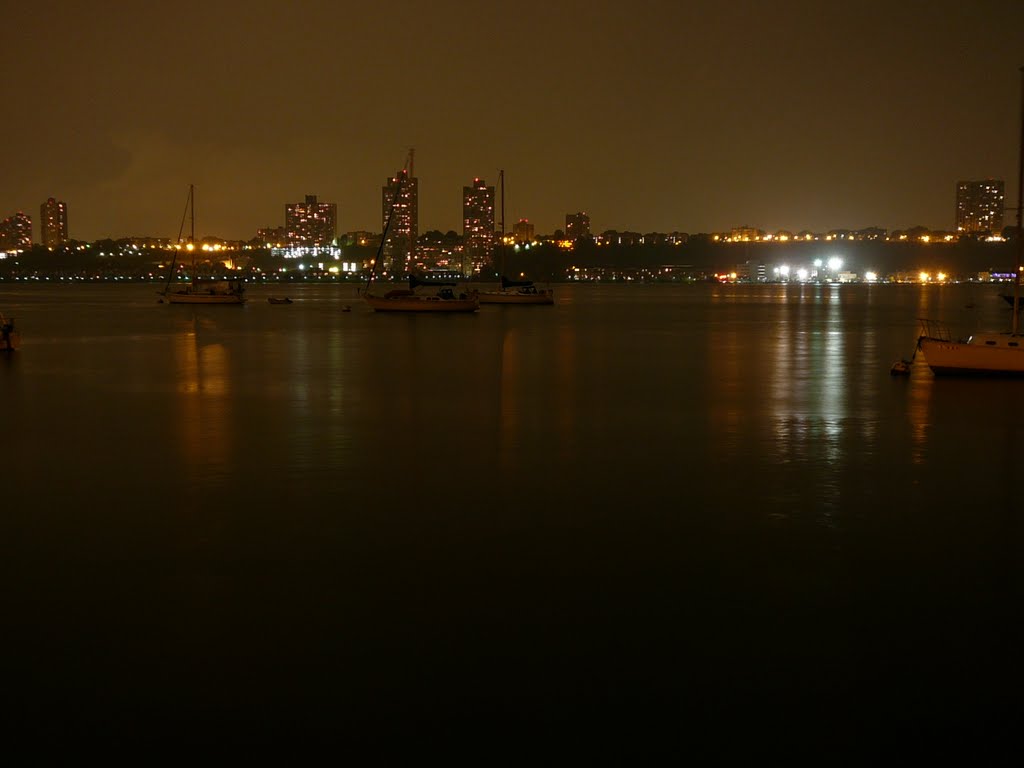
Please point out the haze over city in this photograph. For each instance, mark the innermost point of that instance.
(651, 116)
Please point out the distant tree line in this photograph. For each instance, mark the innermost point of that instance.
(547, 261)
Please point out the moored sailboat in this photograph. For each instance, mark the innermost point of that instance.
(514, 291)
(421, 295)
(194, 292)
(440, 297)
(990, 353)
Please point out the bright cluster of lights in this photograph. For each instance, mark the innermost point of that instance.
(299, 252)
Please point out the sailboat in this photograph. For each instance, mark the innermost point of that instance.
(194, 292)
(983, 354)
(421, 295)
(514, 291)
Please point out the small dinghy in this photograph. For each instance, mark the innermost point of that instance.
(901, 368)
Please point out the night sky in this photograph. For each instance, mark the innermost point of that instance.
(648, 115)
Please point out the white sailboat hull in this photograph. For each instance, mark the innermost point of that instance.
(983, 355)
(204, 298)
(215, 292)
(543, 296)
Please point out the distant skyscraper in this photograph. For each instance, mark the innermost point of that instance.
(310, 223)
(577, 225)
(523, 231)
(401, 241)
(53, 223)
(980, 206)
(477, 226)
(16, 232)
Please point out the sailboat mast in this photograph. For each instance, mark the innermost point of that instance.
(1020, 208)
(410, 258)
(192, 228)
(387, 223)
(501, 268)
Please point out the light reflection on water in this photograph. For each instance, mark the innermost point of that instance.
(788, 377)
(510, 402)
(204, 399)
(480, 508)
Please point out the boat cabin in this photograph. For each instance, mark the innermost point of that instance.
(1004, 340)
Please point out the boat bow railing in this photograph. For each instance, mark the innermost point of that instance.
(934, 329)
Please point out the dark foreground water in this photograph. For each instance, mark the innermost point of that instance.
(702, 517)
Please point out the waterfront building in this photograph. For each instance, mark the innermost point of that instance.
(400, 245)
(751, 271)
(271, 236)
(980, 206)
(745, 234)
(524, 231)
(360, 238)
(310, 224)
(442, 251)
(614, 237)
(477, 226)
(577, 225)
(16, 232)
(53, 223)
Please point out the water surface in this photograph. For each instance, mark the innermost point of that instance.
(673, 509)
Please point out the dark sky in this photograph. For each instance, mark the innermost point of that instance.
(649, 114)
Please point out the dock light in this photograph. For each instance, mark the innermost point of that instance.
(835, 263)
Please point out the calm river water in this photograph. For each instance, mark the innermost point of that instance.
(660, 511)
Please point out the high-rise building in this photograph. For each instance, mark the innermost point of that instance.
(53, 223)
(399, 248)
(16, 232)
(477, 226)
(980, 206)
(524, 231)
(577, 225)
(310, 224)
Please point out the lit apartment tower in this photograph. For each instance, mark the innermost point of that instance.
(979, 206)
(577, 225)
(477, 226)
(310, 223)
(523, 231)
(16, 232)
(398, 248)
(53, 223)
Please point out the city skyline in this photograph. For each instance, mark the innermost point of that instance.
(979, 211)
(658, 117)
